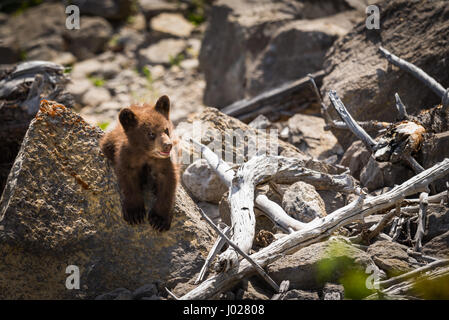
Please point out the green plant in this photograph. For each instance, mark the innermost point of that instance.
(103, 125)
(97, 81)
(175, 61)
(147, 73)
(196, 12)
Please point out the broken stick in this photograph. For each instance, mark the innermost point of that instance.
(258, 268)
(418, 73)
(318, 230)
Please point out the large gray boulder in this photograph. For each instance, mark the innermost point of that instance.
(366, 82)
(314, 265)
(61, 206)
(248, 49)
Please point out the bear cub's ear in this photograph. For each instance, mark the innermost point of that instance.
(163, 105)
(127, 119)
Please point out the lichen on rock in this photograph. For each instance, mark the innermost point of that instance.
(61, 206)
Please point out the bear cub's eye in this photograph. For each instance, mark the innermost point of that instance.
(166, 132)
(151, 135)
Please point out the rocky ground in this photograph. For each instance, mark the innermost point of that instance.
(206, 56)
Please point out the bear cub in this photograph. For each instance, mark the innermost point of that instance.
(139, 147)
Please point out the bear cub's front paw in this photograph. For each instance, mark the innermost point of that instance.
(134, 214)
(159, 222)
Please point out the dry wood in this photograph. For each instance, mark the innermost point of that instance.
(419, 74)
(413, 273)
(290, 97)
(218, 245)
(421, 220)
(277, 214)
(350, 122)
(318, 230)
(402, 110)
(258, 268)
(242, 185)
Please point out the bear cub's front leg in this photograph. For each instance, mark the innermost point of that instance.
(160, 216)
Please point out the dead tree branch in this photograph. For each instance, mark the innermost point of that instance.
(258, 268)
(421, 220)
(419, 74)
(219, 243)
(318, 230)
(350, 122)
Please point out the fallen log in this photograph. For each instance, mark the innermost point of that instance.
(290, 97)
(318, 230)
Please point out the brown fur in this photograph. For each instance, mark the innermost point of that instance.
(135, 147)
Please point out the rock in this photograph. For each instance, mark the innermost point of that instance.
(78, 87)
(260, 122)
(437, 222)
(356, 157)
(109, 9)
(172, 24)
(152, 8)
(127, 40)
(307, 133)
(95, 96)
(147, 290)
(115, 294)
(333, 292)
(438, 246)
(296, 294)
(247, 49)
(302, 202)
(64, 58)
(434, 150)
(162, 52)
(155, 297)
(294, 50)
(211, 210)
(90, 39)
(390, 256)
(61, 206)
(376, 175)
(254, 290)
(213, 127)
(311, 267)
(368, 93)
(189, 64)
(36, 37)
(9, 50)
(85, 68)
(202, 181)
(332, 200)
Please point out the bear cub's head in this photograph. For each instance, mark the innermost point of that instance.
(148, 128)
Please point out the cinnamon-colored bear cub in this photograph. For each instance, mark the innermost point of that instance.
(139, 148)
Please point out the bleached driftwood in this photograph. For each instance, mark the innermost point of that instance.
(278, 215)
(420, 74)
(218, 245)
(262, 169)
(258, 268)
(421, 220)
(318, 230)
(350, 122)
